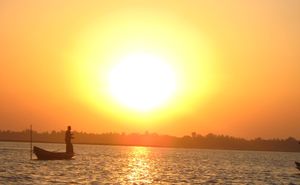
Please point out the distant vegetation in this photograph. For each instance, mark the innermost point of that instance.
(194, 140)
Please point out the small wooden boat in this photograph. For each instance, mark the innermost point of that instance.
(47, 155)
(297, 165)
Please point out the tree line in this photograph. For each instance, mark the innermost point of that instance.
(209, 141)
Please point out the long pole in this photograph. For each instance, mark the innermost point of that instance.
(30, 142)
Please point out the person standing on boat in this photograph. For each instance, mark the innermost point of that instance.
(68, 138)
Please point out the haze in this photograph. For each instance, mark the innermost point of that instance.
(239, 62)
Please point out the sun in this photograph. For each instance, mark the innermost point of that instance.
(142, 69)
(142, 81)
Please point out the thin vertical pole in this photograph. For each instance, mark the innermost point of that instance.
(30, 142)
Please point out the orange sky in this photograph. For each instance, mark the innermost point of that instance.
(239, 60)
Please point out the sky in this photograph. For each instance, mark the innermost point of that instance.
(234, 66)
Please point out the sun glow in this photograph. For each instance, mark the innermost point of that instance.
(137, 71)
(142, 81)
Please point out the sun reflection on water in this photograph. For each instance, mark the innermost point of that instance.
(139, 166)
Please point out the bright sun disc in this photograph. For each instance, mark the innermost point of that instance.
(142, 82)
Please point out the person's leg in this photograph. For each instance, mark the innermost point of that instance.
(71, 148)
(67, 147)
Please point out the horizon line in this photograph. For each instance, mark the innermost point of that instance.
(159, 134)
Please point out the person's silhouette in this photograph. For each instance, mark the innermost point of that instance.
(68, 138)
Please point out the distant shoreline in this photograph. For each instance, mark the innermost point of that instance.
(193, 141)
(155, 146)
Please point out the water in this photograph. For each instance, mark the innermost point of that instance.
(97, 164)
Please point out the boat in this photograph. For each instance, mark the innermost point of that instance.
(47, 155)
(297, 165)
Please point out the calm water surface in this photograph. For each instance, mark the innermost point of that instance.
(96, 164)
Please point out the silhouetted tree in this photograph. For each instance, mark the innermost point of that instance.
(210, 141)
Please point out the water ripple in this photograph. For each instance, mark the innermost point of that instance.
(145, 165)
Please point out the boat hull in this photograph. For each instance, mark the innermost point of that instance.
(297, 165)
(47, 155)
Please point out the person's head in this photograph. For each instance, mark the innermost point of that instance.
(69, 127)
